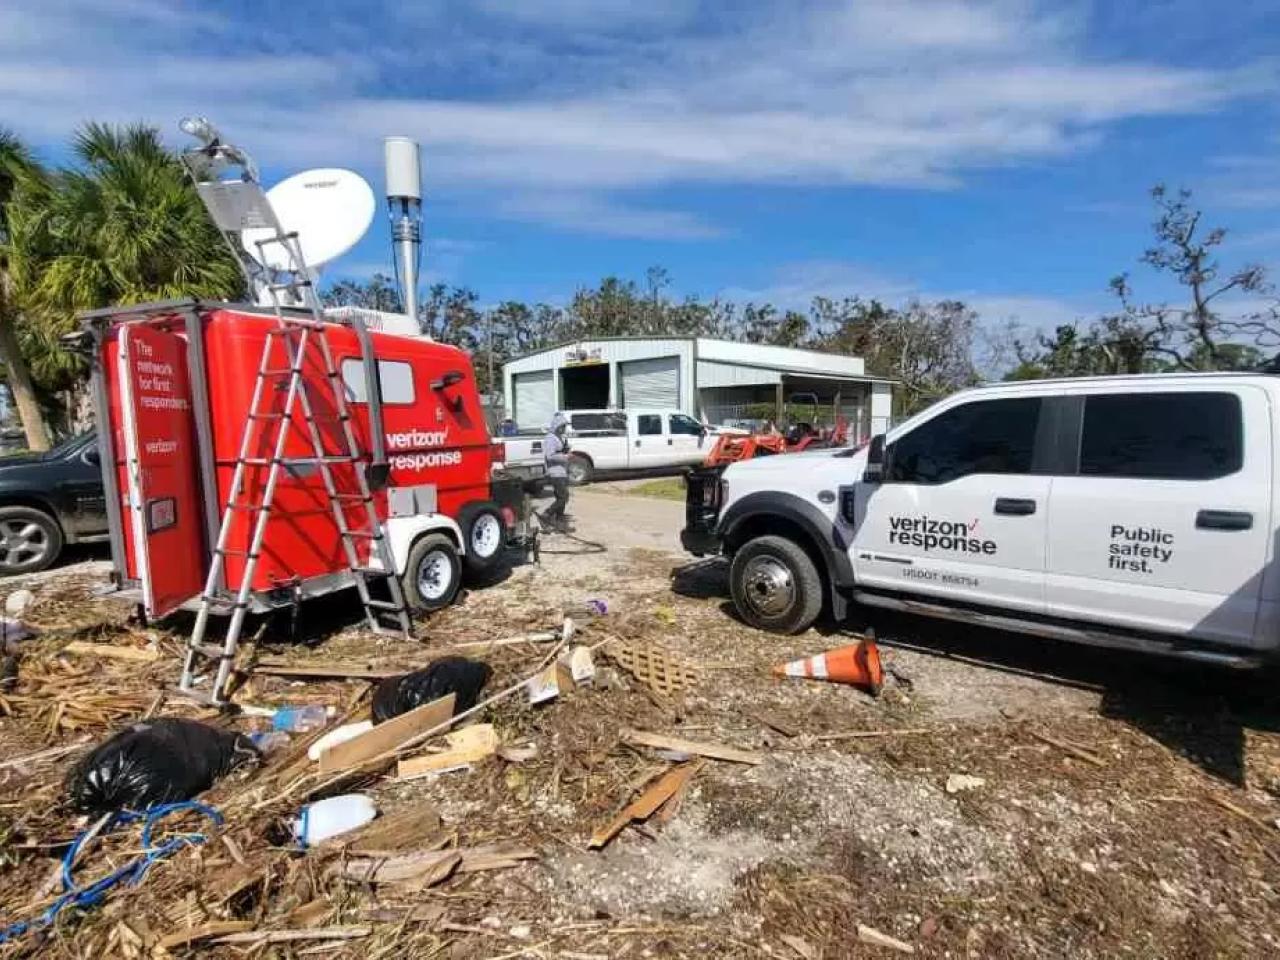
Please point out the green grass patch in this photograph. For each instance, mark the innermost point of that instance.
(668, 488)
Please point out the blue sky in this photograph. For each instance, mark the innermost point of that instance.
(995, 151)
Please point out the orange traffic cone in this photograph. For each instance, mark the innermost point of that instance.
(858, 665)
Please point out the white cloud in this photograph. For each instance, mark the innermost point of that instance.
(795, 285)
(565, 107)
(598, 16)
(590, 213)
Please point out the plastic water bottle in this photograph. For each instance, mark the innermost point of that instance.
(300, 719)
(269, 741)
(332, 817)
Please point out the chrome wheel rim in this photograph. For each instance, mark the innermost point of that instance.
(22, 542)
(435, 575)
(486, 535)
(577, 471)
(768, 586)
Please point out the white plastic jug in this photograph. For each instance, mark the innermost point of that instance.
(332, 817)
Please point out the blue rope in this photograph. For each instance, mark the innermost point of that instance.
(132, 872)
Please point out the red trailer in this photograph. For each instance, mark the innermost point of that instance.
(174, 387)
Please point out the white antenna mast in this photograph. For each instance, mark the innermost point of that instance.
(404, 204)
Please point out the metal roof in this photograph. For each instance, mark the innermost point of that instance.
(761, 356)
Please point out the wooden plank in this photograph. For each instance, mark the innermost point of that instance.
(386, 736)
(329, 671)
(205, 931)
(466, 746)
(646, 804)
(872, 734)
(110, 651)
(494, 856)
(715, 751)
(395, 831)
(290, 936)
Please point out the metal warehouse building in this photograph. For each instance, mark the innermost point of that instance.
(715, 380)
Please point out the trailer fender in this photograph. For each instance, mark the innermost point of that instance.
(403, 532)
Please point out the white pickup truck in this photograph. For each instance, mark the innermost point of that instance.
(1135, 512)
(602, 441)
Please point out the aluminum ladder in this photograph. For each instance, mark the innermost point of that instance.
(298, 336)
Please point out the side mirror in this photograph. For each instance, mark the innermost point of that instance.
(91, 456)
(875, 471)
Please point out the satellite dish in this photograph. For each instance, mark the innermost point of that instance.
(330, 209)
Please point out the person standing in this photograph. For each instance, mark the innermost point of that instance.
(555, 454)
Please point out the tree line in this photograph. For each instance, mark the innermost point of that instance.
(120, 223)
(929, 346)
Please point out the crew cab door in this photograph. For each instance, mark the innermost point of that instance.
(163, 505)
(961, 512)
(648, 442)
(685, 439)
(1165, 524)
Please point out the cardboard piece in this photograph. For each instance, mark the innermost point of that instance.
(386, 736)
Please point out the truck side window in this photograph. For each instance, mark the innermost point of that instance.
(649, 425)
(395, 377)
(1166, 436)
(986, 436)
(682, 423)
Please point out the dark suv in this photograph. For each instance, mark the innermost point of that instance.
(48, 500)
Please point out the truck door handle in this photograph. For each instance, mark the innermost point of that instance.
(637, 444)
(1014, 507)
(669, 441)
(1224, 520)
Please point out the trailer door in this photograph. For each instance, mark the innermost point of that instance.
(161, 459)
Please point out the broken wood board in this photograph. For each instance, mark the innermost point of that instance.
(386, 736)
(494, 856)
(407, 827)
(715, 751)
(289, 936)
(326, 671)
(645, 805)
(465, 746)
(424, 867)
(665, 673)
(205, 931)
(111, 651)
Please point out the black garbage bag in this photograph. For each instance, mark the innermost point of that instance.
(457, 675)
(155, 761)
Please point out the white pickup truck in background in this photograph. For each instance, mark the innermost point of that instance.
(604, 441)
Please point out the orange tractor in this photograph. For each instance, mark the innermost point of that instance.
(730, 448)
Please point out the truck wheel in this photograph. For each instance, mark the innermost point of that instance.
(30, 540)
(486, 536)
(433, 573)
(580, 470)
(775, 585)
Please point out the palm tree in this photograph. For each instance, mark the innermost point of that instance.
(127, 227)
(16, 164)
(123, 225)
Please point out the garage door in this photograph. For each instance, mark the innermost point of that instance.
(651, 383)
(535, 399)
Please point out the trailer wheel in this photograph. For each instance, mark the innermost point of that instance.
(433, 574)
(486, 535)
(580, 469)
(30, 540)
(775, 585)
